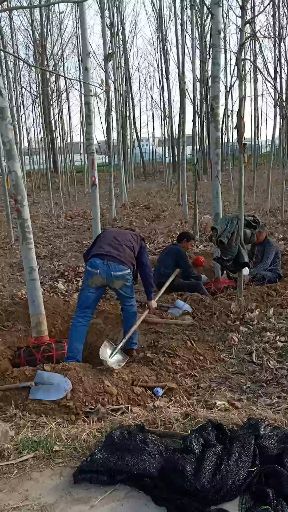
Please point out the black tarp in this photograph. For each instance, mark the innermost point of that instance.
(211, 465)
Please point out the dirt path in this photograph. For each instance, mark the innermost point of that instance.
(53, 490)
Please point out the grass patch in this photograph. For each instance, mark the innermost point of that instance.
(36, 444)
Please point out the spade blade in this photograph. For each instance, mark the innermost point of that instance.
(115, 361)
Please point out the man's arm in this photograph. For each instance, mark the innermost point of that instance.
(187, 271)
(144, 268)
(269, 253)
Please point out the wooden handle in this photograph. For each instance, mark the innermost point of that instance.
(17, 386)
(169, 281)
(141, 318)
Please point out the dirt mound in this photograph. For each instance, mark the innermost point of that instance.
(94, 386)
(192, 357)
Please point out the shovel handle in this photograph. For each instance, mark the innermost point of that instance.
(141, 318)
(17, 386)
(169, 281)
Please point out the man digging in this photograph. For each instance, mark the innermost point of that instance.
(112, 261)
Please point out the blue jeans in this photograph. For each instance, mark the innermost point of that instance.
(98, 276)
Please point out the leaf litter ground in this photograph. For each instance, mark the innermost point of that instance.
(228, 364)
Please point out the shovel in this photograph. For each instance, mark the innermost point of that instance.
(46, 386)
(111, 354)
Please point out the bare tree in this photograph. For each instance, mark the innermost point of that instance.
(108, 109)
(241, 74)
(19, 198)
(215, 126)
(89, 122)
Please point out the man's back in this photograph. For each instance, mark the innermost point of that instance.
(119, 245)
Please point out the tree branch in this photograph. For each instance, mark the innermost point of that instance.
(37, 6)
(51, 71)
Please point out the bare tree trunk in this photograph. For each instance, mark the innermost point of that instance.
(269, 176)
(108, 109)
(117, 70)
(281, 111)
(180, 121)
(202, 92)
(195, 198)
(182, 114)
(227, 146)
(89, 123)
(9, 87)
(17, 79)
(194, 81)
(241, 74)
(215, 126)
(256, 101)
(46, 95)
(162, 34)
(6, 196)
(129, 80)
(19, 197)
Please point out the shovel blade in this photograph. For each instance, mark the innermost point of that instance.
(49, 378)
(48, 392)
(49, 386)
(116, 361)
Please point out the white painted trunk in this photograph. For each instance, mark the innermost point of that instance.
(215, 124)
(6, 197)
(19, 197)
(108, 107)
(89, 122)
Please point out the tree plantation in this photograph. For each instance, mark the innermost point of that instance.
(143, 251)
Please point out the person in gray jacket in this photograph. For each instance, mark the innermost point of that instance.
(265, 259)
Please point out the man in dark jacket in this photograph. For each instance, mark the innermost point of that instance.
(265, 259)
(110, 262)
(173, 257)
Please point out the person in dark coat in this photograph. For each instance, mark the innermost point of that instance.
(112, 261)
(265, 259)
(175, 256)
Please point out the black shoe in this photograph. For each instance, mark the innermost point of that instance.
(130, 352)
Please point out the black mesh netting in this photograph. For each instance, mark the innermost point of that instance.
(205, 468)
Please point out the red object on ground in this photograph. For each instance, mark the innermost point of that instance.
(49, 352)
(220, 285)
(40, 340)
(199, 261)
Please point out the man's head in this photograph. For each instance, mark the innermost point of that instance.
(185, 239)
(261, 233)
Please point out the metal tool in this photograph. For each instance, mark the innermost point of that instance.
(111, 354)
(46, 386)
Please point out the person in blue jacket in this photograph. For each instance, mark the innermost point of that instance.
(265, 259)
(112, 261)
(175, 256)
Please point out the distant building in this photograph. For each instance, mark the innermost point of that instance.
(150, 152)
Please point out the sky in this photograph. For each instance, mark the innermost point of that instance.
(142, 57)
